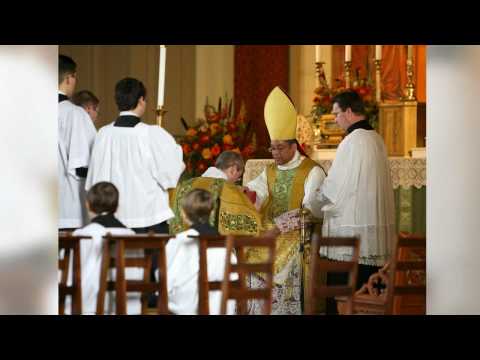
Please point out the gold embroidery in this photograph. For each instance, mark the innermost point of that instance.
(237, 223)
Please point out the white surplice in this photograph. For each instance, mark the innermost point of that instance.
(91, 251)
(183, 271)
(312, 184)
(143, 162)
(76, 135)
(357, 198)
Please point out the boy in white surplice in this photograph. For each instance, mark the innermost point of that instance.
(183, 259)
(102, 202)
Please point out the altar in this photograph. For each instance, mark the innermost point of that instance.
(408, 180)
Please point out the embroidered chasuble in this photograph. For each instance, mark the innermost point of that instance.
(286, 192)
(233, 212)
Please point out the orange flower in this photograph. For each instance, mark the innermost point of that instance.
(186, 149)
(227, 139)
(191, 132)
(216, 149)
(206, 153)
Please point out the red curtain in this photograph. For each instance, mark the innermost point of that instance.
(258, 69)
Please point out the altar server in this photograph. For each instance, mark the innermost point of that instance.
(76, 134)
(143, 161)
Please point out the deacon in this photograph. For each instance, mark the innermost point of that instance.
(357, 196)
(142, 161)
(233, 211)
(76, 135)
(287, 185)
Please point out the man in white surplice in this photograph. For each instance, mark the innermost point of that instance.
(76, 134)
(142, 161)
(357, 195)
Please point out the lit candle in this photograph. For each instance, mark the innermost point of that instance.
(348, 53)
(410, 52)
(378, 52)
(161, 77)
(317, 53)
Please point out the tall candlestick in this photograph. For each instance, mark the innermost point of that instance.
(317, 53)
(161, 77)
(348, 67)
(348, 53)
(378, 82)
(410, 52)
(378, 52)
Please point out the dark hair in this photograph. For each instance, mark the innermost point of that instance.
(85, 98)
(197, 205)
(66, 66)
(103, 197)
(229, 158)
(127, 93)
(350, 99)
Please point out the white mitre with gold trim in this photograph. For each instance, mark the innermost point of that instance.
(280, 116)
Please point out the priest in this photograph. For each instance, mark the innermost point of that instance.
(357, 196)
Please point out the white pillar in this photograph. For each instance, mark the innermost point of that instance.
(453, 171)
(28, 153)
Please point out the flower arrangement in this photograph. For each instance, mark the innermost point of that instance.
(217, 132)
(322, 101)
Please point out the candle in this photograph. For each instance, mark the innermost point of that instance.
(348, 53)
(317, 53)
(161, 77)
(378, 52)
(410, 52)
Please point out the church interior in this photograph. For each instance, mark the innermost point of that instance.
(213, 99)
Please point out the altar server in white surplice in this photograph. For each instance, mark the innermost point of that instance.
(102, 202)
(76, 134)
(143, 161)
(357, 195)
(183, 259)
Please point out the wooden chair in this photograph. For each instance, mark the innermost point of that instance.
(70, 244)
(237, 289)
(120, 262)
(409, 257)
(407, 295)
(320, 265)
(204, 285)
